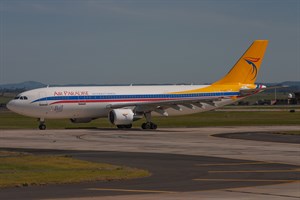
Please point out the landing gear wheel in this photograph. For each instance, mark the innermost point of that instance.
(153, 126)
(42, 126)
(149, 125)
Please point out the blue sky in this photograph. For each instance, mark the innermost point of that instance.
(117, 42)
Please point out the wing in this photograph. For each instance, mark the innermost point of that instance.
(161, 106)
(207, 103)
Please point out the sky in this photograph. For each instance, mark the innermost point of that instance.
(144, 41)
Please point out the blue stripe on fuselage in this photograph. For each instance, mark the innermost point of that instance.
(137, 96)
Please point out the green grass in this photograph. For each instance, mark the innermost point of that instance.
(5, 99)
(25, 170)
(9, 120)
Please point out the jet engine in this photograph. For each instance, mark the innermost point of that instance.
(121, 116)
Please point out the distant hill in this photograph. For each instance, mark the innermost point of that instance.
(291, 83)
(27, 85)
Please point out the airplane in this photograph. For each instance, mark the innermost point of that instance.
(123, 105)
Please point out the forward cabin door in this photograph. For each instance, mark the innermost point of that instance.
(81, 100)
(44, 102)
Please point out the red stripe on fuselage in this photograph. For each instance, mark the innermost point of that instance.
(111, 100)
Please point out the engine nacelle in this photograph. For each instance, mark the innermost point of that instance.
(121, 116)
(81, 120)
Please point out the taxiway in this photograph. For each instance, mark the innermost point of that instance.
(185, 163)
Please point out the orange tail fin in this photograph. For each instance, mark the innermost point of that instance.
(247, 67)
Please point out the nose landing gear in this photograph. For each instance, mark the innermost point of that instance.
(42, 125)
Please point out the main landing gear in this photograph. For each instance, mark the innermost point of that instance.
(148, 124)
(42, 125)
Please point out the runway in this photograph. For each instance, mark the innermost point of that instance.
(185, 163)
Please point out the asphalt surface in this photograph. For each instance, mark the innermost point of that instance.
(262, 136)
(170, 173)
(186, 163)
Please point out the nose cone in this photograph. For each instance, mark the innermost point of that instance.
(15, 106)
(10, 105)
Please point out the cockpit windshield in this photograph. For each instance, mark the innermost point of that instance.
(21, 97)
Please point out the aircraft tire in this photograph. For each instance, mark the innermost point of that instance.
(42, 127)
(144, 126)
(149, 125)
(153, 126)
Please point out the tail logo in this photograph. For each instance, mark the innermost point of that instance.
(251, 61)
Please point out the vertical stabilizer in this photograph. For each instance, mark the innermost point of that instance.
(247, 67)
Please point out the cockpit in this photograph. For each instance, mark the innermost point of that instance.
(21, 97)
(20, 104)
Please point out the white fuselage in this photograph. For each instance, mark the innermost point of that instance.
(96, 101)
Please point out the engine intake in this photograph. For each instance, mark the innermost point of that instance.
(121, 116)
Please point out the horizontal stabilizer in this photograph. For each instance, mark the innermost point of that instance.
(246, 92)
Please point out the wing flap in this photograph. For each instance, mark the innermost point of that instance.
(161, 106)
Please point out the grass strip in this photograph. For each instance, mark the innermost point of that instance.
(29, 170)
(9, 120)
